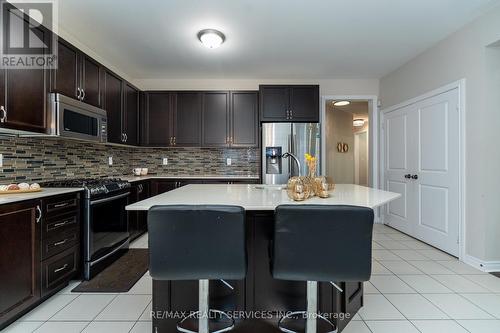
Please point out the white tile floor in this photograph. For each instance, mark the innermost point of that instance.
(414, 288)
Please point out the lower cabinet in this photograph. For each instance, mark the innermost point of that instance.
(39, 251)
(138, 221)
(19, 259)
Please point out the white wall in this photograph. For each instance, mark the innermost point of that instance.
(338, 127)
(468, 54)
(327, 86)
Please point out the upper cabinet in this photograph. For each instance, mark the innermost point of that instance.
(187, 120)
(200, 119)
(130, 117)
(23, 95)
(215, 119)
(157, 118)
(244, 120)
(289, 103)
(113, 104)
(77, 75)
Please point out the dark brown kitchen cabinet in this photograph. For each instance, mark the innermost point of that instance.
(289, 103)
(187, 119)
(19, 258)
(157, 118)
(215, 130)
(244, 119)
(24, 94)
(159, 186)
(130, 117)
(77, 75)
(113, 104)
(91, 81)
(137, 220)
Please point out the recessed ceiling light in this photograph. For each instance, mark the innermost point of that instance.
(341, 103)
(211, 38)
(358, 122)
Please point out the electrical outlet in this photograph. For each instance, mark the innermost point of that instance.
(228, 161)
(110, 160)
(1, 160)
(165, 161)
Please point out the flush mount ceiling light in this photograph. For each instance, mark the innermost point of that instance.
(211, 38)
(358, 122)
(341, 103)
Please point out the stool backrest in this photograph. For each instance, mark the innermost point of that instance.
(195, 242)
(322, 243)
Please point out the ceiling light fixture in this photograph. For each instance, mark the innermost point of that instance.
(211, 38)
(358, 122)
(341, 103)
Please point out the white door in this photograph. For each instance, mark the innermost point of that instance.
(361, 158)
(397, 168)
(429, 144)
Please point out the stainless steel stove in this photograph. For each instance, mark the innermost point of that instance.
(105, 222)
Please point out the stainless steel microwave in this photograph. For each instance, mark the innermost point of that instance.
(71, 118)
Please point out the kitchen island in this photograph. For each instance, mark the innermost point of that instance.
(259, 294)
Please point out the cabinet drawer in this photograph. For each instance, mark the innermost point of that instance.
(61, 242)
(61, 204)
(59, 269)
(55, 226)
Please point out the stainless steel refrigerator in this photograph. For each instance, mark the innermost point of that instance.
(294, 138)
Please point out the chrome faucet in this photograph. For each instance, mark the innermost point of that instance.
(285, 155)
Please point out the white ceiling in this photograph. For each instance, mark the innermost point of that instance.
(266, 39)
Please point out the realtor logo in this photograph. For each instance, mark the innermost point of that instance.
(29, 34)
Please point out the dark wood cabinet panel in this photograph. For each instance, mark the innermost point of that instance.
(19, 258)
(131, 115)
(113, 89)
(290, 103)
(304, 103)
(26, 94)
(162, 186)
(137, 220)
(91, 83)
(274, 102)
(187, 119)
(244, 119)
(66, 78)
(158, 118)
(215, 119)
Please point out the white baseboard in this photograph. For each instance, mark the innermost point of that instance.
(485, 266)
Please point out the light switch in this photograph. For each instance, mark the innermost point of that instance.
(110, 160)
(165, 161)
(228, 161)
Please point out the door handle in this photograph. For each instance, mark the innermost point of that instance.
(408, 176)
(414, 177)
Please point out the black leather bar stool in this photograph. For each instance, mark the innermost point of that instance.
(188, 242)
(321, 243)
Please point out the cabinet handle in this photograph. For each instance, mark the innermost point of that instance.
(60, 224)
(78, 93)
(175, 141)
(408, 176)
(291, 114)
(415, 177)
(83, 94)
(60, 268)
(64, 204)
(61, 242)
(39, 211)
(126, 137)
(3, 116)
(171, 141)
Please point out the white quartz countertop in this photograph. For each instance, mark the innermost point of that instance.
(45, 192)
(262, 197)
(232, 177)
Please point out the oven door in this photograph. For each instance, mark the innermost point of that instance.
(107, 226)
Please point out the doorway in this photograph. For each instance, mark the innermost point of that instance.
(347, 149)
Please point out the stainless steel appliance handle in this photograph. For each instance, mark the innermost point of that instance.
(95, 202)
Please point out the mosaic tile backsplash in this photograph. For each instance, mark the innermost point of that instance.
(40, 159)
